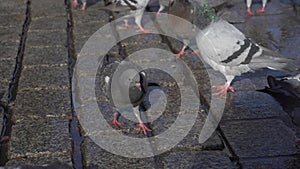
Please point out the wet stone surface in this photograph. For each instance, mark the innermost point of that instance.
(197, 159)
(275, 162)
(252, 138)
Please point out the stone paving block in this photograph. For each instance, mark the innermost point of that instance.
(251, 104)
(272, 162)
(9, 51)
(47, 55)
(256, 138)
(44, 76)
(46, 38)
(96, 157)
(39, 161)
(4, 83)
(80, 29)
(12, 21)
(43, 103)
(48, 23)
(8, 7)
(10, 34)
(7, 68)
(33, 136)
(47, 8)
(198, 159)
(90, 16)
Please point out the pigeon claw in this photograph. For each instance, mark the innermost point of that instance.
(75, 3)
(142, 30)
(116, 123)
(83, 8)
(261, 11)
(223, 89)
(250, 12)
(178, 55)
(143, 128)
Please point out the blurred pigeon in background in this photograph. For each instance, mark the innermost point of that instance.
(135, 7)
(229, 51)
(183, 9)
(163, 4)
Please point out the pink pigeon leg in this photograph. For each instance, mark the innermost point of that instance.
(223, 89)
(115, 121)
(75, 3)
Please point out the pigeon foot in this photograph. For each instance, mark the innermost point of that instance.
(250, 12)
(143, 128)
(261, 11)
(75, 3)
(115, 121)
(223, 89)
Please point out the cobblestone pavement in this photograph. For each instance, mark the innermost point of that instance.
(40, 42)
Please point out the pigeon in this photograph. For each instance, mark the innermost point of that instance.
(287, 86)
(76, 3)
(226, 49)
(260, 11)
(287, 92)
(129, 82)
(183, 9)
(136, 7)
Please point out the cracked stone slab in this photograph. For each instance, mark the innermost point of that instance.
(251, 138)
(104, 158)
(33, 136)
(43, 103)
(7, 68)
(12, 21)
(197, 159)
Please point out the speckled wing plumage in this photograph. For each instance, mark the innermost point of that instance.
(229, 51)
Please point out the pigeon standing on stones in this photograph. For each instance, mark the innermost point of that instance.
(183, 9)
(76, 3)
(229, 51)
(129, 90)
(260, 11)
(136, 7)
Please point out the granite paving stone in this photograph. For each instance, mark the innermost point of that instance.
(47, 8)
(42, 103)
(103, 159)
(47, 38)
(44, 76)
(290, 162)
(198, 159)
(33, 135)
(46, 55)
(252, 138)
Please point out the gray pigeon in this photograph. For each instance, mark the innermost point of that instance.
(229, 51)
(136, 7)
(183, 9)
(128, 89)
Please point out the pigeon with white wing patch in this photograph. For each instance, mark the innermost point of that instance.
(229, 51)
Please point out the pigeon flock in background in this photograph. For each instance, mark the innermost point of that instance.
(221, 45)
